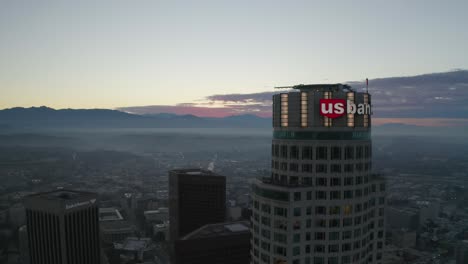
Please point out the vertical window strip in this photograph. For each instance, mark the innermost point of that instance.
(350, 117)
(304, 109)
(284, 110)
(327, 122)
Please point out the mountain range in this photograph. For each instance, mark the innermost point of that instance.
(45, 117)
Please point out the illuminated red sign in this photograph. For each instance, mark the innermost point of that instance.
(332, 108)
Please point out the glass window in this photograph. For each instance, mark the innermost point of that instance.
(321, 181)
(307, 167)
(335, 195)
(296, 251)
(347, 234)
(349, 153)
(320, 195)
(297, 211)
(334, 223)
(347, 222)
(348, 209)
(297, 196)
(348, 194)
(297, 238)
(321, 168)
(284, 151)
(335, 168)
(321, 153)
(348, 181)
(335, 181)
(336, 153)
(321, 210)
(334, 210)
(333, 248)
(348, 168)
(359, 152)
(307, 153)
(319, 235)
(334, 235)
(319, 260)
(294, 152)
(294, 167)
(320, 223)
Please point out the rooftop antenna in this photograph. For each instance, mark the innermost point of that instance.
(367, 85)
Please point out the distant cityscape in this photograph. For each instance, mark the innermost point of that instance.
(320, 193)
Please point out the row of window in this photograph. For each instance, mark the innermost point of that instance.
(319, 222)
(321, 168)
(320, 248)
(323, 181)
(322, 260)
(364, 234)
(321, 152)
(320, 210)
(336, 194)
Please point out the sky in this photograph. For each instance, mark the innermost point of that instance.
(113, 54)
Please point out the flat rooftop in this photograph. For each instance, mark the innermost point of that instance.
(109, 214)
(63, 195)
(115, 226)
(134, 244)
(194, 171)
(219, 229)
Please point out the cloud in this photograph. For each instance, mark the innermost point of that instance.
(433, 96)
(264, 98)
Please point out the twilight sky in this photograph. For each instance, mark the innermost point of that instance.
(111, 53)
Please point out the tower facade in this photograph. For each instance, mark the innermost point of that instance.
(321, 204)
(196, 198)
(63, 228)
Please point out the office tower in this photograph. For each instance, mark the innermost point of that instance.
(221, 243)
(196, 198)
(321, 204)
(461, 252)
(63, 227)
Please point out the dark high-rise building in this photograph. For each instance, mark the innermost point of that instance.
(196, 198)
(63, 227)
(322, 203)
(222, 243)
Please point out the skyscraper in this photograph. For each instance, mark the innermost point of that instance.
(321, 204)
(63, 227)
(196, 198)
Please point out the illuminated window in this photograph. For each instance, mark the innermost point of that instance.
(366, 116)
(284, 110)
(303, 109)
(327, 122)
(350, 98)
(348, 210)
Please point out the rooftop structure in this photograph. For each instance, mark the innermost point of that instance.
(109, 214)
(219, 229)
(220, 243)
